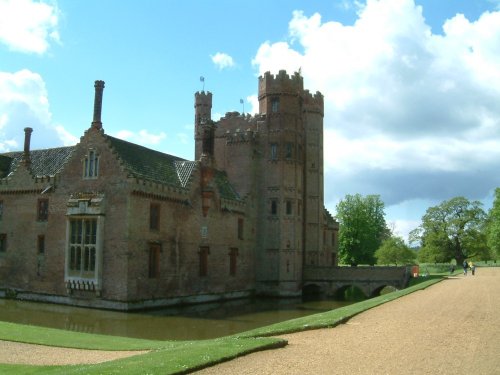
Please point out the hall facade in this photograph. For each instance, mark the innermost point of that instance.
(110, 224)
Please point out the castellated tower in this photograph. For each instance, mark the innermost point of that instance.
(275, 162)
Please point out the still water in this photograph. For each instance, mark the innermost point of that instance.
(202, 321)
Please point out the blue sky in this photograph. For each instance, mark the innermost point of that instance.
(412, 87)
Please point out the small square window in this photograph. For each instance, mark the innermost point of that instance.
(43, 210)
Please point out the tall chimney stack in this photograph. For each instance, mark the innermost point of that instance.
(99, 88)
(27, 141)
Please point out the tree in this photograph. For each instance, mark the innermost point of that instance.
(493, 226)
(394, 250)
(362, 228)
(455, 229)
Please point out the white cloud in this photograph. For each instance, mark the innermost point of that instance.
(408, 114)
(222, 60)
(24, 103)
(28, 26)
(143, 137)
(65, 136)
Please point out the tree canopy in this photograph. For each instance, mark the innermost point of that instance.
(452, 230)
(362, 228)
(493, 226)
(394, 251)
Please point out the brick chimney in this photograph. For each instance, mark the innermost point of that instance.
(99, 88)
(27, 141)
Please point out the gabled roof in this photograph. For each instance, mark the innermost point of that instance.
(46, 162)
(144, 163)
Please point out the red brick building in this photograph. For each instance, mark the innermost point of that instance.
(111, 224)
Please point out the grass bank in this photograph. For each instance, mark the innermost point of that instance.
(178, 357)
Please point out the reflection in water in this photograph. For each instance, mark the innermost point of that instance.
(202, 321)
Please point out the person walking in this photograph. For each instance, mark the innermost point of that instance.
(472, 268)
(465, 265)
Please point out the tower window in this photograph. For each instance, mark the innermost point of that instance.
(274, 206)
(289, 151)
(204, 251)
(154, 260)
(275, 105)
(154, 216)
(240, 228)
(274, 151)
(41, 244)
(3, 242)
(233, 254)
(43, 210)
(91, 165)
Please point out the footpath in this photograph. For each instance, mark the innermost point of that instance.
(452, 327)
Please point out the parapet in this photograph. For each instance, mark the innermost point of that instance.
(202, 97)
(280, 83)
(313, 103)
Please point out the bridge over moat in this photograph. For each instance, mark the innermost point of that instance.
(331, 281)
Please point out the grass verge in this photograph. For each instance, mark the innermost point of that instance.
(180, 357)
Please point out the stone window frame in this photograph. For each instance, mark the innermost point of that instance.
(82, 247)
(42, 209)
(91, 164)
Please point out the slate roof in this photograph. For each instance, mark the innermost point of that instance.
(46, 162)
(226, 190)
(142, 162)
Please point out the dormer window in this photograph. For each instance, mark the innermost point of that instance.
(91, 165)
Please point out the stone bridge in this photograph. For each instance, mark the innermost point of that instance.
(333, 281)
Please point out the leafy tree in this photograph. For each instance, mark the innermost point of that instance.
(493, 226)
(452, 230)
(394, 250)
(362, 228)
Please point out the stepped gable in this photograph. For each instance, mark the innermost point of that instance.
(47, 162)
(144, 163)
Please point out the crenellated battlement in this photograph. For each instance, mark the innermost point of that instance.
(313, 103)
(280, 83)
(202, 97)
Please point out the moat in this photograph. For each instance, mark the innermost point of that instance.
(202, 321)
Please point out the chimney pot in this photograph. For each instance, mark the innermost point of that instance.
(27, 141)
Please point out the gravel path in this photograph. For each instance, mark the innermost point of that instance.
(450, 328)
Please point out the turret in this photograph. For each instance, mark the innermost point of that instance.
(202, 117)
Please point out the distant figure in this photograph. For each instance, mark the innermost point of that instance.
(465, 265)
(472, 268)
(452, 268)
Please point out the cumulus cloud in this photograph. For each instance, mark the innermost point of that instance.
(408, 113)
(28, 26)
(142, 137)
(24, 103)
(222, 60)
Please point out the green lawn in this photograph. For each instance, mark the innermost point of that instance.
(177, 357)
